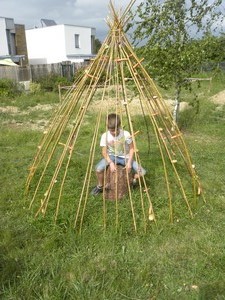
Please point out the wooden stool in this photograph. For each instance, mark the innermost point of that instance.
(117, 183)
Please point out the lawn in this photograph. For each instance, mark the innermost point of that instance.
(43, 260)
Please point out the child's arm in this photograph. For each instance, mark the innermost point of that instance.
(107, 158)
(131, 155)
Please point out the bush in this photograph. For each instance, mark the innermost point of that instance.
(51, 82)
(35, 87)
(9, 88)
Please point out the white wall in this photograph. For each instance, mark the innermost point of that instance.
(46, 45)
(3, 44)
(85, 40)
(55, 44)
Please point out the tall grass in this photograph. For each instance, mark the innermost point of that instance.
(183, 260)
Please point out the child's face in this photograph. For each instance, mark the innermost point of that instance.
(114, 132)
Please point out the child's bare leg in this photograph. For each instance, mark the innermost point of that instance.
(100, 177)
(136, 176)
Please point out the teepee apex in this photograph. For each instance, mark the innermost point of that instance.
(118, 17)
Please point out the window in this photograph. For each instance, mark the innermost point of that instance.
(77, 40)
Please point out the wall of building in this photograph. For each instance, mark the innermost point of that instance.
(46, 45)
(85, 34)
(4, 43)
(54, 44)
(21, 45)
(13, 41)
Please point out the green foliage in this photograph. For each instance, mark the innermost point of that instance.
(35, 88)
(97, 46)
(9, 88)
(213, 47)
(51, 82)
(167, 28)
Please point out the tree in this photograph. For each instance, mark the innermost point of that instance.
(171, 30)
(214, 48)
(97, 45)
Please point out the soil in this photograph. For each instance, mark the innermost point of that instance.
(218, 99)
(15, 110)
(134, 105)
(9, 109)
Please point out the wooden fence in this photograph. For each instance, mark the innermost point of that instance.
(34, 72)
(16, 74)
(65, 69)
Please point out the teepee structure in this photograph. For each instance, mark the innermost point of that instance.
(62, 173)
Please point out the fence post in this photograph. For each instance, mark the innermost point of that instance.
(60, 95)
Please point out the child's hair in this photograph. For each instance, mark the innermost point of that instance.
(113, 121)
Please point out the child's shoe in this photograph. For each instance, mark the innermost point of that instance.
(97, 190)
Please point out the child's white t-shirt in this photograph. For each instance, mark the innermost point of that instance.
(117, 145)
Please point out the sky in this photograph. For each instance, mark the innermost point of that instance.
(91, 13)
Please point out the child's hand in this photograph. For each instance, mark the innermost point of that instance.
(112, 167)
(128, 166)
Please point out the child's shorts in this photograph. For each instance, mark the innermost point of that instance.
(119, 161)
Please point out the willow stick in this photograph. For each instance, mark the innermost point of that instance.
(134, 141)
(152, 118)
(90, 164)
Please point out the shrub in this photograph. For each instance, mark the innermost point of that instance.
(8, 88)
(51, 82)
(35, 87)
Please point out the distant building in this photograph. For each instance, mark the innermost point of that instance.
(13, 41)
(54, 43)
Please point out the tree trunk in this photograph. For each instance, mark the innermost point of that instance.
(177, 103)
(117, 183)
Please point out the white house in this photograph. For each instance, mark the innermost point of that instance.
(58, 43)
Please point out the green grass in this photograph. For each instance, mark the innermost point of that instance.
(27, 100)
(183, 260)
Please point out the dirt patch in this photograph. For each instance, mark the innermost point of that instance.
(134, 105)
(31, 125)
(15, 110)
(219, 98)
(9, 109)
(171, 104)
(43, 107)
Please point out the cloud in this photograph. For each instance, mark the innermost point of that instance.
(75, 12)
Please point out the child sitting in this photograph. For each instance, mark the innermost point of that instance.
(117, 148)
